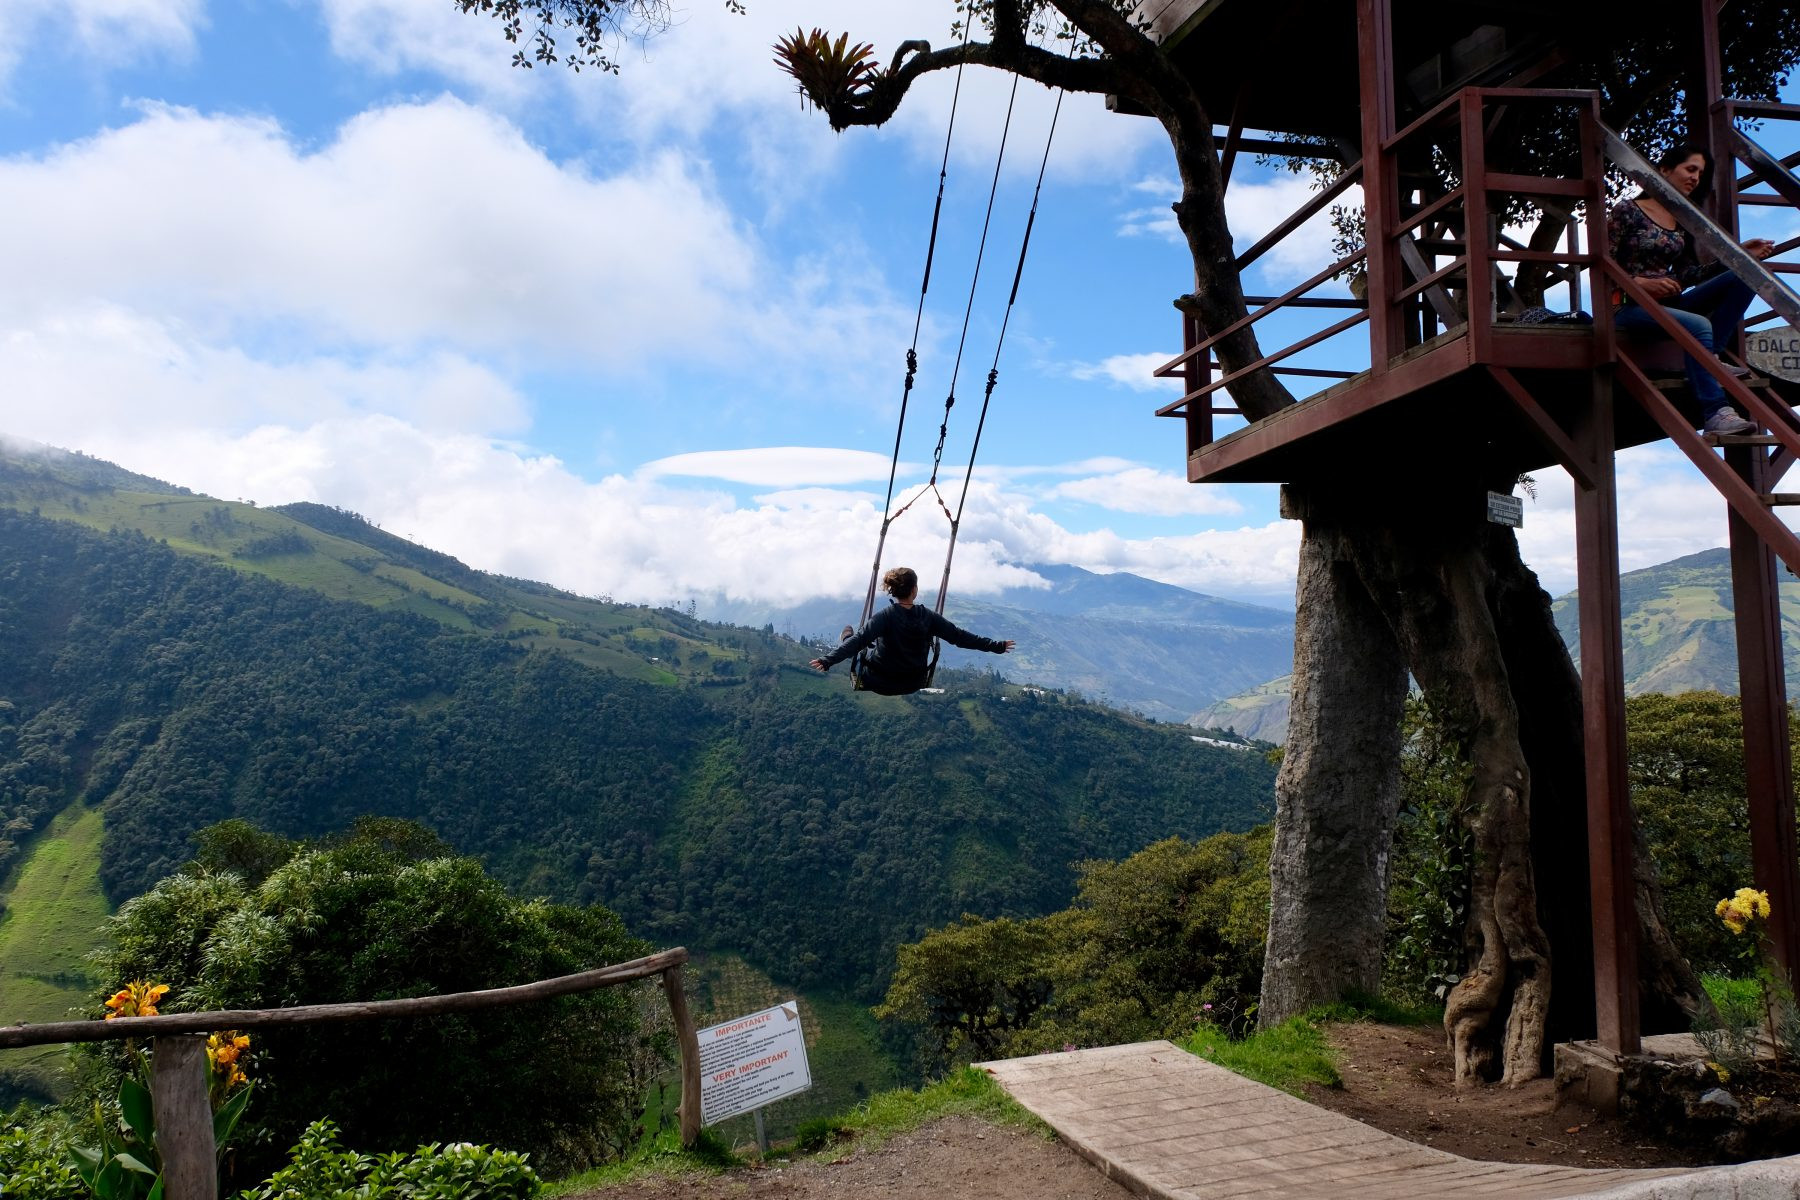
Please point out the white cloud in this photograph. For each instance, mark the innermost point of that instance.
(105, 32)
(1130, 370)
(101, 370)
(1149, 492)
(419, 222)
(775, 466)
(1253, 207)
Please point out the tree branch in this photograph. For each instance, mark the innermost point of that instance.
(914, 59)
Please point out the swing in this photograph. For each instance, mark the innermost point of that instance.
(889, 514)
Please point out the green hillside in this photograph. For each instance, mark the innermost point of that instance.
(177, 661)
(1678, 626)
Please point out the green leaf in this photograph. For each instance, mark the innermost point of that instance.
(140, 1114)
(132, 1162)
(226, 1119)
(156, 1190)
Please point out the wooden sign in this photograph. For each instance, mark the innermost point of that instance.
(1774, 351)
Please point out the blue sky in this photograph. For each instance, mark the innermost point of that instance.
(638, 335)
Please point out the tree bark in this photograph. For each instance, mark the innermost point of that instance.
(1338, 793)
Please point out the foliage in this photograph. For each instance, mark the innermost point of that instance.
(1433, 857)
(1152, 943)
(598, 26)
(179, 695)
(361, 918)
(1731, 1036)
(827, 72)
(1687, 784)
(319, 1168)
(34, 1157)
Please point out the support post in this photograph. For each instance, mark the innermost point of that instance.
(184, 1118)
(1611, 882)
(1762, 693)
(688, 1038)
(1380, 180)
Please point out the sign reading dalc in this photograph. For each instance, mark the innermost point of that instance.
(1774, 351)
(749, 1062)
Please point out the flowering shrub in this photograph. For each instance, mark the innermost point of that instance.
(1731, 1039)
(1739, 911)
(136, 999)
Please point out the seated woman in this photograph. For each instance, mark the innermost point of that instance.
(1650, 244)
(897, 640)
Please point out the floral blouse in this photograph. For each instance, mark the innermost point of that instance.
(1643, 247)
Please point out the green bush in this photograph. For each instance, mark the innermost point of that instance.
(34, 1158)
(320, 1169)
(1170, 936)
(371, 917)
(1429, 875)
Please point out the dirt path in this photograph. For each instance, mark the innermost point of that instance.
(1396, 1078)
(954, 1157)
(1399, 1079)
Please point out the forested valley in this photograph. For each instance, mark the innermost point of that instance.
(785, 818)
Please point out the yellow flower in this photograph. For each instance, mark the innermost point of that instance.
(1732, 923)
(1721, 1072)
(222, 1050)
(136, 999)
(1723, 907)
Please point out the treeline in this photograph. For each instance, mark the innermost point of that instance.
(809, 828)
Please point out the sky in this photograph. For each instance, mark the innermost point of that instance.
(638, 335)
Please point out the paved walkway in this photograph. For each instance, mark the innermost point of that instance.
(1167, 1124)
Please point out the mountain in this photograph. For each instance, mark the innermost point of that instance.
(173, 660)
(1678, 637)
(1149, 647)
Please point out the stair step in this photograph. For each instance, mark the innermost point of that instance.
(1775, 499)
(1740, 439)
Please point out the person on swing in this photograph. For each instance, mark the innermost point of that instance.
(896, 642)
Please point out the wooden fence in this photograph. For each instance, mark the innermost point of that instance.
(184, 1131)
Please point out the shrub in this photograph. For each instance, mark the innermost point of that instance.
(34, 1158)
(320, 1169)
(368, 918)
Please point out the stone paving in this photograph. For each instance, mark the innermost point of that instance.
(1169, 1125)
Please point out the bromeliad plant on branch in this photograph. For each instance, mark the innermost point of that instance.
(1388, 585)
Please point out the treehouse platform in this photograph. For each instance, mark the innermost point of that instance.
(1463, 334)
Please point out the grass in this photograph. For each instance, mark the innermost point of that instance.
(54, 909)
(1295, 1053)
(969, 1092)
(1735, 994)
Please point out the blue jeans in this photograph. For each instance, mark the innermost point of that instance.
(1711, 311)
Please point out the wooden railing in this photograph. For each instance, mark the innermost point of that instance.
(184, 1130)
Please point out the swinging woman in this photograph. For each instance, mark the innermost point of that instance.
(895, 644)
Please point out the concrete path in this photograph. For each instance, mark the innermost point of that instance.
(1167, 1124)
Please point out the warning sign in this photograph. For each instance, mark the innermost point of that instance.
(749, 1062)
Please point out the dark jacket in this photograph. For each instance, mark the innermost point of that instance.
(897, 641)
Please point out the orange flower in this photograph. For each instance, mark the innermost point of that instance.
(222, 1050)
(136, 999)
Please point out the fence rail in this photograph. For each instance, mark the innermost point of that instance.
(178, 1062)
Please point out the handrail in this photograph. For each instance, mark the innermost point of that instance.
(1301, 215)
(1761, 108)
(121, 1028)
(179, 1080)
(1767, 167)
(1267, 360)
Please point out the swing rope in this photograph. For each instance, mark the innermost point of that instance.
(912, 351)
(993, 375)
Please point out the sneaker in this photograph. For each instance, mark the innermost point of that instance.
(849, 632)
(1727, 421)
(1737, 372)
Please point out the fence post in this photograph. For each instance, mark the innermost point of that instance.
(689, 1040)
(184, 1118)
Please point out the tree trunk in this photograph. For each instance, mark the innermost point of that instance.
(1338, 792)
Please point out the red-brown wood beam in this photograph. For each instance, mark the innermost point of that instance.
(1611, 885)
(1762, 692)
(1380, 181)
(1544, 428)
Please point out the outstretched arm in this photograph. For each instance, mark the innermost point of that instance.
(945, 631)
(868, 633)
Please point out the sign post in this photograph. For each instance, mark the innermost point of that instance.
(750, 1062)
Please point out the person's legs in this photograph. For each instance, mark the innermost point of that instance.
(1724, 299)
(1706, 389)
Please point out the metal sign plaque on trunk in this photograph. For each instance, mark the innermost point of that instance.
(1506, 510)
(749, 1062)
(1774, 351)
